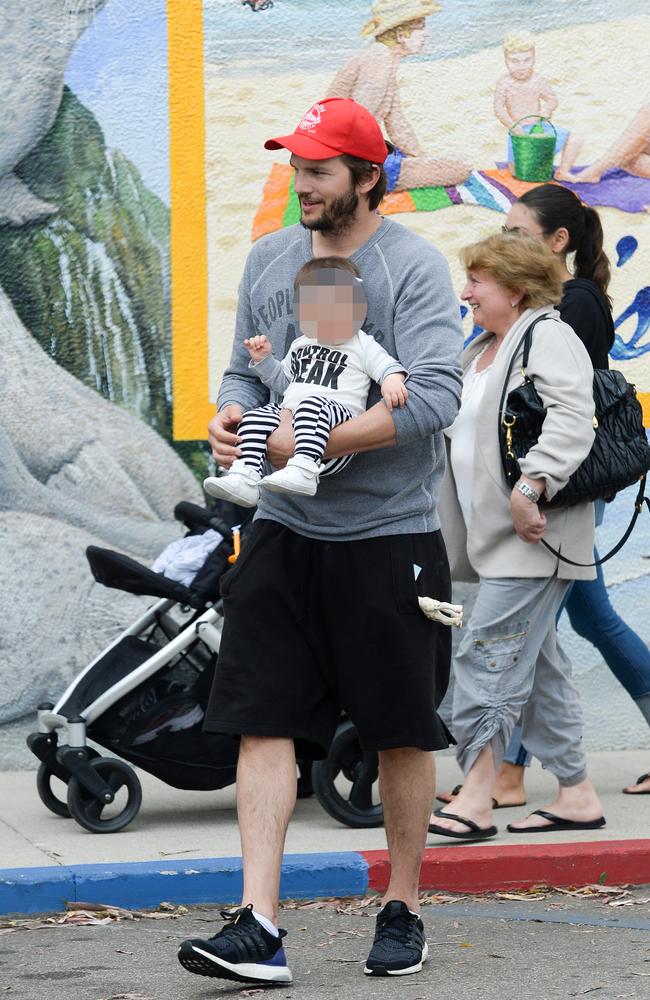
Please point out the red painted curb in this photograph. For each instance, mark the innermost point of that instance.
(490, 869)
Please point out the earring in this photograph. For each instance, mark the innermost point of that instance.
(513, 305)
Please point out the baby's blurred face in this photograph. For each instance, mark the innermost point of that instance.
(331, 313)
(521, 64)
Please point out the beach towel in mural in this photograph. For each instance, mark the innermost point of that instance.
(496, 189)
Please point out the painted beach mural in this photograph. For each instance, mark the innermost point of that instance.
(120, 260)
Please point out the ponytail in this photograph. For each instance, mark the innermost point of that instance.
(591, 261)
(557, 207)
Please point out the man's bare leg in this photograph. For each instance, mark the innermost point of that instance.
(421, 171)
(266, 796)
(406, 786)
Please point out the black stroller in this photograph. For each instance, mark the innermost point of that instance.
(144, 699)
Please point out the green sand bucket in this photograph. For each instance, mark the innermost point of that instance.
(534, 151)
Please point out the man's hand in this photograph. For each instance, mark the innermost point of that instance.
(222, 434)
(258, 347)
(281, 443)
(394, 391)
(529, 522)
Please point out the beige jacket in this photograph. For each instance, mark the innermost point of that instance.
(563, 376)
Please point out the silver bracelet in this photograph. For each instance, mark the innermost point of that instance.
(528, 491)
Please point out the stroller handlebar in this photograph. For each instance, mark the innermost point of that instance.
(192, 515)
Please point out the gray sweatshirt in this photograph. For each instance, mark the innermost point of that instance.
(413, 313)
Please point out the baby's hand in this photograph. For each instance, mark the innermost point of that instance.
(394, 391)
(258, 347)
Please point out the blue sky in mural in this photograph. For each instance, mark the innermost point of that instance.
(119, 71)
(325, 32)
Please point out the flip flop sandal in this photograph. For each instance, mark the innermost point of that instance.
(639, 780)
(557, 823)
(504, 805)
(476, 832)
(453, 792)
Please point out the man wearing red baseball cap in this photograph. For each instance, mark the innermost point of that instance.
(321, 608)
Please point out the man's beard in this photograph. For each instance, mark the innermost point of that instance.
(338, 217)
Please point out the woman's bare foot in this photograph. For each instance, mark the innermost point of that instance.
(640, 787)
(464, 805)
(509, 791)
(578, 803)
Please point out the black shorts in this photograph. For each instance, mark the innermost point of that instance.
(315, 627)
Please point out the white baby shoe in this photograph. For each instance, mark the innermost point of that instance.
(240, 485)
(300, 475)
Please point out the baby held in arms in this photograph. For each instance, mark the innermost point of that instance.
(323, 380)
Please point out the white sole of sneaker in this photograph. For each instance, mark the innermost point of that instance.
(216, 488)
(202, 963)
(274, 488)
(401, 972)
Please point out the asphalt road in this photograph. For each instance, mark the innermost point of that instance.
(488, 948)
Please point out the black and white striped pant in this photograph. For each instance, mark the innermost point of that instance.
(313, 419)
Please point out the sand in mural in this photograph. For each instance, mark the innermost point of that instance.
(435, 106)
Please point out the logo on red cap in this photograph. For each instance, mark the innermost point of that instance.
(313, 117)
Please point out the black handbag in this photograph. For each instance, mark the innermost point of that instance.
(620, 454)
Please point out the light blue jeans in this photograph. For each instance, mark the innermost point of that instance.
(593, 617)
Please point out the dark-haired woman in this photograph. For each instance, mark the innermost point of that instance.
(556, 215)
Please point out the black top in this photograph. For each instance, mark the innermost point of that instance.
(585, 308)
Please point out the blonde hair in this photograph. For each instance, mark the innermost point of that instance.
(518, 41)
(519, 262)
(390, 38)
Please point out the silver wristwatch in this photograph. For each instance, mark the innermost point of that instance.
(528, 491)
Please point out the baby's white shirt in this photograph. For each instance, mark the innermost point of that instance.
(342, 372)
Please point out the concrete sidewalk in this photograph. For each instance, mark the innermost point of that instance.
(182, 826)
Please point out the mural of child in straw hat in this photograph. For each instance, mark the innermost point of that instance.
(522, 92)
(397, 29)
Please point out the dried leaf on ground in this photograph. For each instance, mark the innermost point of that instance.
(526, 895)
(91, 914)
(127, 996)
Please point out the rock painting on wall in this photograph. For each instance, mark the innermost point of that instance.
(86, 396)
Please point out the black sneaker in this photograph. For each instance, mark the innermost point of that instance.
(243, 950)
(399, 947)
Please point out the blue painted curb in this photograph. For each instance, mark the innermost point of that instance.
(141, 884)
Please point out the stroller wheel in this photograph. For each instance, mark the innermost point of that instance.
(349, 801)
(47, 795)
(101, 817)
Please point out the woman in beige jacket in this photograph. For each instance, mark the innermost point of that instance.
(509, 662)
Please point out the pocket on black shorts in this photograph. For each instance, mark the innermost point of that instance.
(249, 543)
(403, 572)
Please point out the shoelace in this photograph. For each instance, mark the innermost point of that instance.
(233, 927)
(400, 927)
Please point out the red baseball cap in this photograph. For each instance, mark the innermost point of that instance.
(334, 126)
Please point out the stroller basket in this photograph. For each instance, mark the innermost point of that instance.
(158, 726)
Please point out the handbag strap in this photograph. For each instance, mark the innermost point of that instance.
(638, 507)
(526, 340)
